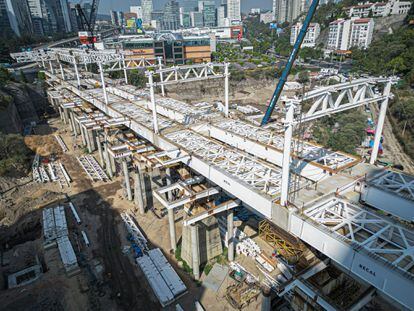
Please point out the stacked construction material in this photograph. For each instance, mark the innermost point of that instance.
(161, 276)
(245, 245)
(55, 232)
(52, 172)
(92, 168)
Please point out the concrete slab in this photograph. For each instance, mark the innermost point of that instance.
(216, 277)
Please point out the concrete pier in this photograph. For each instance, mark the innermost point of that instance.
(171, 222)
(266, 300)
(107, 160)
(138, 191)
(127, 182)
(100, 151)
(230, 234)
(195, 252)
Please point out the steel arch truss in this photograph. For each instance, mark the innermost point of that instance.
(190, 73)
(340, 97)
(264, 178)
(33, 56)
(392, 243)
(129, 63)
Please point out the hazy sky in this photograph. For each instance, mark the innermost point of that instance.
(123, 5)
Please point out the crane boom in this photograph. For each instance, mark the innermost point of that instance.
(87, 24)
(291, 60)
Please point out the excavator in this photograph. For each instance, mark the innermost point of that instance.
(87, 23)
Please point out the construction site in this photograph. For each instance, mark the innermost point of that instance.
(139, 200)
(152, 198)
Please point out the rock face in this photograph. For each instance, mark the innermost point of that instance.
(20, 104)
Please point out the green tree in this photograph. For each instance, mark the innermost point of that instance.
(14, 154)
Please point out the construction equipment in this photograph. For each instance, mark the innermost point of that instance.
(289, 250)
(291, 60)
(87, 24)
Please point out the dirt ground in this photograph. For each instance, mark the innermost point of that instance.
(108, 278)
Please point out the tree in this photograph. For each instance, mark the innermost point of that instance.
(14, 154)
(303, 77)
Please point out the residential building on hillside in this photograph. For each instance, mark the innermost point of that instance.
(311, 34)
(339, 31)
(378, 9)
(361, 33)
(355, 32)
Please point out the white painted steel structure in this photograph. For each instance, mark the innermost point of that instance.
(368, 245)
(375, 248)
(315, 161)
(392, 192)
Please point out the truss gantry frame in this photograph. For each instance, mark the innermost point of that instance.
(258, 175)
(390, 242)
(340, 97)
(332, 161)
(395, 182)
(190, 73)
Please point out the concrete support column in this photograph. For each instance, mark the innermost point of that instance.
(107, 160)
(62, 72)
(286, 155)
(77, 74)
(91, 135)
(168, 181)
(266, 300)
(100, 152)
(82, 130)
(88, 140)
(171, 222)
(74, 127)
(195, 251)
(60, 112)
(138, 191)
(52, 70)
(86, 67)
(230, 235)
(127, 182)
(226, 90)
(380, 124)
(65, 116)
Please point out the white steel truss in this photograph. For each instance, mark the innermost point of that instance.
(344, 96)
(392, 243)
(258, 175)
(395, 182)
(330, 160)
(130, 62)
(190, 73)
(134, 231)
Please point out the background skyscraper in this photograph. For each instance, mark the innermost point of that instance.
(147, 9)
(233, 10)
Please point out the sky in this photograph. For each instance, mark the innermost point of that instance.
(123, 5)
